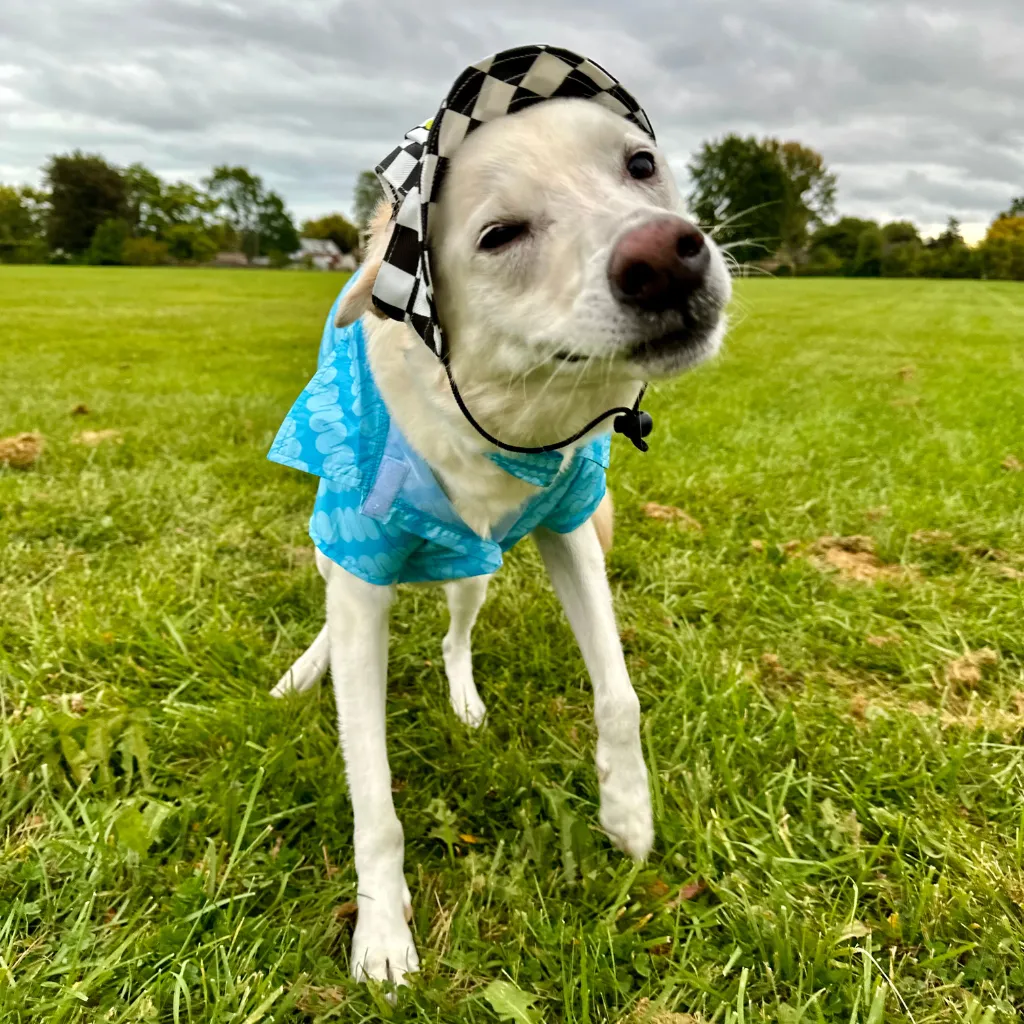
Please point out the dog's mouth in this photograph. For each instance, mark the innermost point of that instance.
(668, 343)
(679, 346)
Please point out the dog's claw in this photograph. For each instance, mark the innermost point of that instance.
(383, 952)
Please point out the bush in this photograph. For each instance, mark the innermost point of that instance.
(1002, 259)
(823, 262)
(902, 259)
(868, 260)
(190, 243)
(32, 251)
(145, 252)
(107, 243)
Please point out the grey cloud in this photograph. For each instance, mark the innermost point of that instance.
(918, 106)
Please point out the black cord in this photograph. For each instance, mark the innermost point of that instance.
(632, 423)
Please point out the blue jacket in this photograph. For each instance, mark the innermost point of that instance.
(379, 510)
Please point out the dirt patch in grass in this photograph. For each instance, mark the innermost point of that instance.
(967, 671)
(672, 514)
(854, 560)
(645, 1013)
(94, 438)
(21, 451)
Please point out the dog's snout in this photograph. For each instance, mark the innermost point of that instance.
(659, 265)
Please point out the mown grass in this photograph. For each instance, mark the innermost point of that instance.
(840, 815)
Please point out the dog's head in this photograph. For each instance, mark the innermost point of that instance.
(559, 238)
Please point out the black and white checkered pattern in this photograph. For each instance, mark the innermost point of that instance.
(412, 175)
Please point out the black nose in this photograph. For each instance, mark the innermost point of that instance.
(659, 265)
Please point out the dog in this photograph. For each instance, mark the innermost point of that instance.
(565, 274)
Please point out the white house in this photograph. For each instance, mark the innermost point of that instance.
(323, 254)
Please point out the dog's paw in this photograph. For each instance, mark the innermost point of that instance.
(631, 828)
(465, 699)
(469, 709)
(626, 809)
(383, 951)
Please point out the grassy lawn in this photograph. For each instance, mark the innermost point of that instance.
(833, 726)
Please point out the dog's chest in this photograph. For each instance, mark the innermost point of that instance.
(482, 493)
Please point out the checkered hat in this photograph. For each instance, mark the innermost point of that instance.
(413, 173)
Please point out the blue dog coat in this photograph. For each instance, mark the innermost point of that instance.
(380, 512)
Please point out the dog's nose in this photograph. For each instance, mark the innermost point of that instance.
(659, 265)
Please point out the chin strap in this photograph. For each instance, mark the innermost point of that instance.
(631, 422)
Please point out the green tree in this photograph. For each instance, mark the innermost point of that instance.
(368, 194)
(143, 193)
(22, 225)
(810, 194)
(842, 239)
(257, 216)
(899, 232)
(761, 196)
(740, 191)
(948, 255)
(343, 233)
(85, 191)
(107, 245)
(277, 234)
(189, 242)
(183, 203)
(1002, 258)
(867, 261)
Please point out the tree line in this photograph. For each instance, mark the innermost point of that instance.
(90, 211)
(770, 204)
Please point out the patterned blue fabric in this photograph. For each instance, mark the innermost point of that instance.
(379, 511)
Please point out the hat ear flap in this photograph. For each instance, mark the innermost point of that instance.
(358, 300)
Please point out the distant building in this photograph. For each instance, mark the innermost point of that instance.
(230, 259)
(323, 254)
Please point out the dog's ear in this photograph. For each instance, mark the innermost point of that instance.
(357, 300)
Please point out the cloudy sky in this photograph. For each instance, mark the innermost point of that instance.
(919, 106)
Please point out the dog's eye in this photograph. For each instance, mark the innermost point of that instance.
(641, 165)
(499, 235)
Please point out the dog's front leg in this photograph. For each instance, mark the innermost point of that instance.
(575, 564)
(357, 623)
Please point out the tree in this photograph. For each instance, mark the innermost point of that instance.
(810, 193)
(842, 239)
(1016, 208)
(1010, 228)
(258, 216)
(761, 196)
(367, 195)
(278, 236)
(948, 254)
(899, 232)
(143, 195)
(337, 228)
(107, 245)
(85, 191)
(22, 225)
(238, 194)
(183, 203)
(190, 243)
(867, 261)
(1001, 254)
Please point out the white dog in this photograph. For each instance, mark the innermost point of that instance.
(564, 276)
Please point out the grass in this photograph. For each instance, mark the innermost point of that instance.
(839, 812)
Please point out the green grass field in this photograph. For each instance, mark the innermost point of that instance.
(834, 728)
